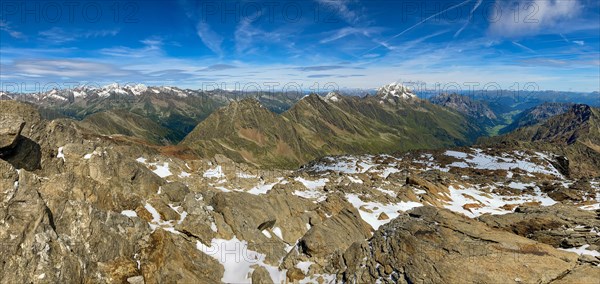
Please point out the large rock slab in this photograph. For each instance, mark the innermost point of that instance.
(430, 245)
(10, 129)
(558, 225)
(335, 233)
(170, 258)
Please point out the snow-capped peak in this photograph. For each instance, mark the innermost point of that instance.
(177, 91)
(395, 90)
(137, 89)
(112, 88)
(5, 96)
(332, 97)
(53, 94)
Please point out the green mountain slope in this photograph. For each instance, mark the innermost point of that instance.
(536, 115)
(574, 134)
(123, 122)
(317, 126)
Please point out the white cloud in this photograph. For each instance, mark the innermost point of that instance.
(346, 31)
(579, 42)
(477, 4)
(152, 47)
(342, 10)
(523, 47)
(5, 27)
(386, 42)
(66, 68)
(533, 17)
(58, 35)
(210, 38)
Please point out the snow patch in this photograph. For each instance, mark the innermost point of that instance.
(312, 184)
(375, 208)
(162, 171)
(238, 260)
(277, 232)
(61, 154)
(583, 251)
(216, 172)
(129, 213)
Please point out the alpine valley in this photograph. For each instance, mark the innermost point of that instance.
(137, 184)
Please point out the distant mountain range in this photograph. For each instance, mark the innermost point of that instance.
(171, 109)
(478, 110)
(273, 129)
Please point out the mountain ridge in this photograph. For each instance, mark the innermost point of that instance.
(317, 126)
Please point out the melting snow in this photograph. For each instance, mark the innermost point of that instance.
(312, 184)
(245, 175)
(304, 266)
(391, 210)
(389, 171)
(61, 154)
(277, 232)
(263, 188)
(266, 233)
(591, 207)
(345, 164)
(583, 250)
(456, 154)
(162, 171)
(313, 187)
(129, 213)
(388, 192)
(238, 260)
(156, 221)
(311, 194)
(214, 173)
(479, 160)
(355, 180)
(489, 202)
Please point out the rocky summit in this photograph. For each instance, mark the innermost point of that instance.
(81, 205)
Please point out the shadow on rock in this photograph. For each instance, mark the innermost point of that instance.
(26, 154)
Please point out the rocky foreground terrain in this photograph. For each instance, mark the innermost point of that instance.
(78, 206)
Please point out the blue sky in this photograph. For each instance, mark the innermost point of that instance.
(312, 44)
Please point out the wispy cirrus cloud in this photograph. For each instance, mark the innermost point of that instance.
(209, 37)
(347, 31)
(325, 68)
(342, 9)
(386, 44)
(56, 35)
(218, 67)
(477, 4)
(534, 17)
(152, 46)
(6, 27)
(66, 68)
(252, 36)
(577, 42)
(523, 47)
